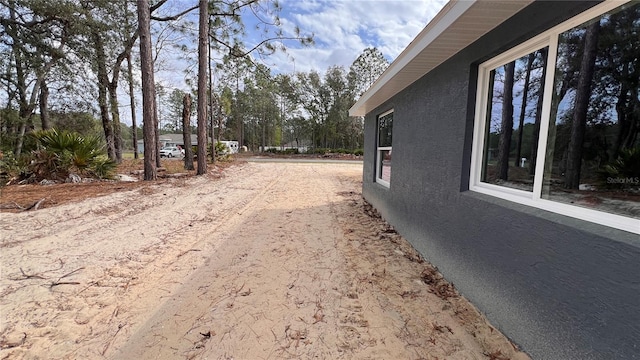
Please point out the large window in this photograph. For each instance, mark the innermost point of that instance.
(383, 152)
(558, 119)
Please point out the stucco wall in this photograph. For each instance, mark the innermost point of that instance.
(559, 287)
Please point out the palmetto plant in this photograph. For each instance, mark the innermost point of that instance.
(62, 152)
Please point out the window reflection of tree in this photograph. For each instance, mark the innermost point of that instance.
(595, 117)
(514, 113)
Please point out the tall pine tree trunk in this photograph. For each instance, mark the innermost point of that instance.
(148, 91)
(20, 141)
(103, 84)
(132, 101)
(115, 118)
(26, 103)
(628, 110)
(44, 106)
(211, 104)
(203, 34)
(186, 132)
(579, 120)
(156, 122)
(506, 127)
(523, 108)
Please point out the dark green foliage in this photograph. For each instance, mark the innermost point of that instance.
(624, 172)
(319, 151)
(73, 121)
(326, 151)
(9, 167)
(222, 152)
(60, 153)
(9, 123)
(290, 151)
(102, 167)
(72, 148)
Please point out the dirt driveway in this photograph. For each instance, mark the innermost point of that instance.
(270, 261)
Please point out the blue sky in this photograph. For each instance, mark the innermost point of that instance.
(342, 29)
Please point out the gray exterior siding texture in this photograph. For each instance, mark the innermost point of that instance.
(560, 288)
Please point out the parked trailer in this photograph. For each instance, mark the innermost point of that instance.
(231, 145)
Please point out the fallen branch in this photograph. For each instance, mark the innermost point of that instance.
(28, 276)
(186, 251)
(11, 205)
(37, 275)
(35, 205)
(38, 204)
(71, 273)
(93, 283)
(63, 283)
(235, 292)
(106, 347)
(58, 282)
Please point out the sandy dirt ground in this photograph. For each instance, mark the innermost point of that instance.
(261, 261)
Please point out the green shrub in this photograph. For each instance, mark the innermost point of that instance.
(320, 151)
(102, 167)
(358, 152)
(9, 167)
(222, 151)
(62, 152)
(46, 164)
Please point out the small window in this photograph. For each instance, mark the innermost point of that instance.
(558, 121)
(383, 153)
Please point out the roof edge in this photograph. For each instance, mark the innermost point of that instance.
(453, 10)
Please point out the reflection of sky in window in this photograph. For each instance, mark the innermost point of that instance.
(385, 126)
(606, 112)
(605, 115)
(518, 92)
(565, 106)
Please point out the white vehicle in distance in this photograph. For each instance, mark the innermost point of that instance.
(232, 146)
(171, 151)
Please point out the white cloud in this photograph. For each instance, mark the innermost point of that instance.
(344, 28)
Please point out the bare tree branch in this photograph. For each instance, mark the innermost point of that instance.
(174, 17)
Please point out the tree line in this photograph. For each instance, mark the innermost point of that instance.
(73, 56)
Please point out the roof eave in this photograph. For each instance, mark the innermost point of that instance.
(463, 21)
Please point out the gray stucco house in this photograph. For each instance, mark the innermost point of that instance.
(503, 143)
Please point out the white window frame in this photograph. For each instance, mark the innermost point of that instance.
(548, 38)
(380, 149)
